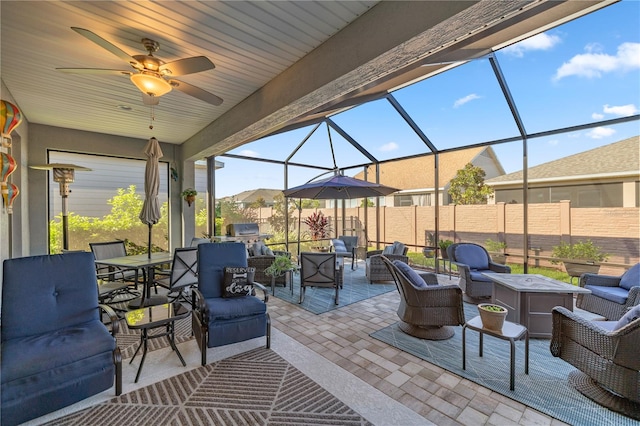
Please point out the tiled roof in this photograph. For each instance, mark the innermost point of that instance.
(616, 158)
(418, 173)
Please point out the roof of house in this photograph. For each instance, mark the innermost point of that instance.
(419, 173)
(252, 195)
(618, 158)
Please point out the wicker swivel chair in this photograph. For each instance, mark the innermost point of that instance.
(471, 260)
(376, 270)
(427, 311)
(606, 356)
(611, 296)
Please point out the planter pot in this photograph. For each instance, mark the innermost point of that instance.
(321, 249)
(577, 269)
(190, 199)
(429, 252)
(500, 258)
(443, 254)
(492, 320)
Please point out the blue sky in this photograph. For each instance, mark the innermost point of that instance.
(583, 71)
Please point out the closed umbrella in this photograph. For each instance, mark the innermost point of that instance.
(337, 187)
(150, 213)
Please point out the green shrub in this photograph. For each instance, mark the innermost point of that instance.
(582, 250)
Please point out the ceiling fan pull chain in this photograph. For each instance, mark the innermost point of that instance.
(152, 118)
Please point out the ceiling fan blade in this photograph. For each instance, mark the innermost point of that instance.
(108, 46)
(188, 65)
(196, 92)
(93, 71)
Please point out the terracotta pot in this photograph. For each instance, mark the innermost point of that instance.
(190, 199)
(500, 258)
(492, 320)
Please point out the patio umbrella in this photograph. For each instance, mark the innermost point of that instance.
(150, 213)
(337, 187)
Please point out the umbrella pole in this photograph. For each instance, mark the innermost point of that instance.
(149, 246)
(299, 221)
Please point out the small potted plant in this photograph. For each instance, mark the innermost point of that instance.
(189, 195)
(442, 245)
(281, 264)
(579, 258)
(496, 250)
(492, 316)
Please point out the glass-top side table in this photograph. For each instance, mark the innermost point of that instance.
(510, 331)
(152, 317)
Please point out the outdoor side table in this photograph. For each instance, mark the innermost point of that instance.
(288, 279)
(152, 317)
(510, 332)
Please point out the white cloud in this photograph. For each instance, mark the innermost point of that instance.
(542, 41)
(464, 100)
(391, 146)
(600, 132)
(621, 110)
(593, 63)
(553, 142)
(597, 116)
(249, 153)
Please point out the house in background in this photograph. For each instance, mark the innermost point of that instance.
(415, 177)
(608, 176)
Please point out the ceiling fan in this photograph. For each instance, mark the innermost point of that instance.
(152, 76)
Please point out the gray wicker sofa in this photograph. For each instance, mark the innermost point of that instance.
(376, 270)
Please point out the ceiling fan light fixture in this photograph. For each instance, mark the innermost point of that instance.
(151, 84)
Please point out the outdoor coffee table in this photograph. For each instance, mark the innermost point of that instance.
(510, 332)
(146, 319)
(530, 299)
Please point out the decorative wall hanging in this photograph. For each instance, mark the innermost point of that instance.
(7, 166)
(10, 118)
(9, 194)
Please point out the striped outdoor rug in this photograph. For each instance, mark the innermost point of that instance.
(257, 387)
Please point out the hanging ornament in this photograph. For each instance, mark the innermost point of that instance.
(10, 118)
(7, 166)
(9, 194)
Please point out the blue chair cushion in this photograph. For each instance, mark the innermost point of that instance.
(221, 309)
(31, 355)
(339, 246)
(413, 277)
(398, 248)
(631, 278)
(476, 275)
(473, 256)
(614, 294)
(632, 315)
(388, 250)
(211, 274)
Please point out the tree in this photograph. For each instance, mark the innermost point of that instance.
(468, 187)
(260, 202)
(277, 219)
(367, 202)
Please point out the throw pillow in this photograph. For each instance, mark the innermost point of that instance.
(413, 277)
(398, 248)
(268, 251)
(388, 250)
(258, 248)
(632, 315)
(238, 281)
(631, 278)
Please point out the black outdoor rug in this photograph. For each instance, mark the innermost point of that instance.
(319, 300)
(257, 387)
(545, 389)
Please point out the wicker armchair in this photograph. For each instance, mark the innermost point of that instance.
(262, 262)
(376, 270)
(471, 260)
(426, 312)
(606, 358)
(610, 296)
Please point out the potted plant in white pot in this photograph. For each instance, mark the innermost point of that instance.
(496, 250)
(492, 315)
(579, 258)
